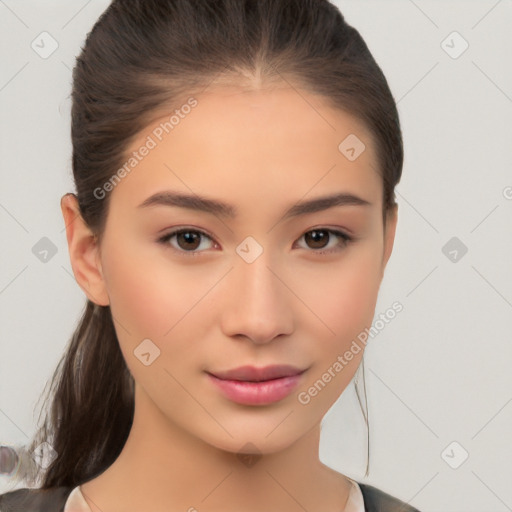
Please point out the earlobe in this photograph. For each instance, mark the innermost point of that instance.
(83, 252)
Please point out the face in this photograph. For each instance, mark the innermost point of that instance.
(254, 283)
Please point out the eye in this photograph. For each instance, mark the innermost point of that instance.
(320, 238)
(188, 240)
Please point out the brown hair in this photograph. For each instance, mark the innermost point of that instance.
(140, 57)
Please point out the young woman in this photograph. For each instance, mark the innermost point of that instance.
(235, 164)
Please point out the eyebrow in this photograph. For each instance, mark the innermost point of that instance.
(195, 202)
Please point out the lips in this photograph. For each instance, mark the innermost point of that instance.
(251, 386)
(253, 374)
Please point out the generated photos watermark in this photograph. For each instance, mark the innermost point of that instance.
(304, 397)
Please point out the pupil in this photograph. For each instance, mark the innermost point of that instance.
(317, 236)
(189, 237)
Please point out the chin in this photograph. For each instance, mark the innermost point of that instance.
(257, 444)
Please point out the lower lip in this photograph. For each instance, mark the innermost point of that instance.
(257, 393)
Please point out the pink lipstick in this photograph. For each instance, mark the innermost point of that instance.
(249, 385)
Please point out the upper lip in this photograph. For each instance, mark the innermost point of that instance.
(251, 373)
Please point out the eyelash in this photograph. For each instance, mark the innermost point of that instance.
(164, 240)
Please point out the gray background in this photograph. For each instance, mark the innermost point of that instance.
(440, 371)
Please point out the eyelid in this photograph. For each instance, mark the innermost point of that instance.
(345, 237)
(164, 239)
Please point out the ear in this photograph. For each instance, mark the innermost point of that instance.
(83, 252)
(389, 235)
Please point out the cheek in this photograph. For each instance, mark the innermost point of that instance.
(344, 294)
(344, 297)
(160, 302)
(165, 303)
(149, 295)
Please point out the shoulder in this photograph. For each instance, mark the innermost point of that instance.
(35, 500)
(376, 500)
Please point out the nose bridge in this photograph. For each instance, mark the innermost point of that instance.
(258, 304)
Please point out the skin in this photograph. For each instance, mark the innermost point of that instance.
(261, 151)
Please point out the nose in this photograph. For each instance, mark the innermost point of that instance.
(257, 302)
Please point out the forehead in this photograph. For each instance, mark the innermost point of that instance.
(280, 142)
(280, 119)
